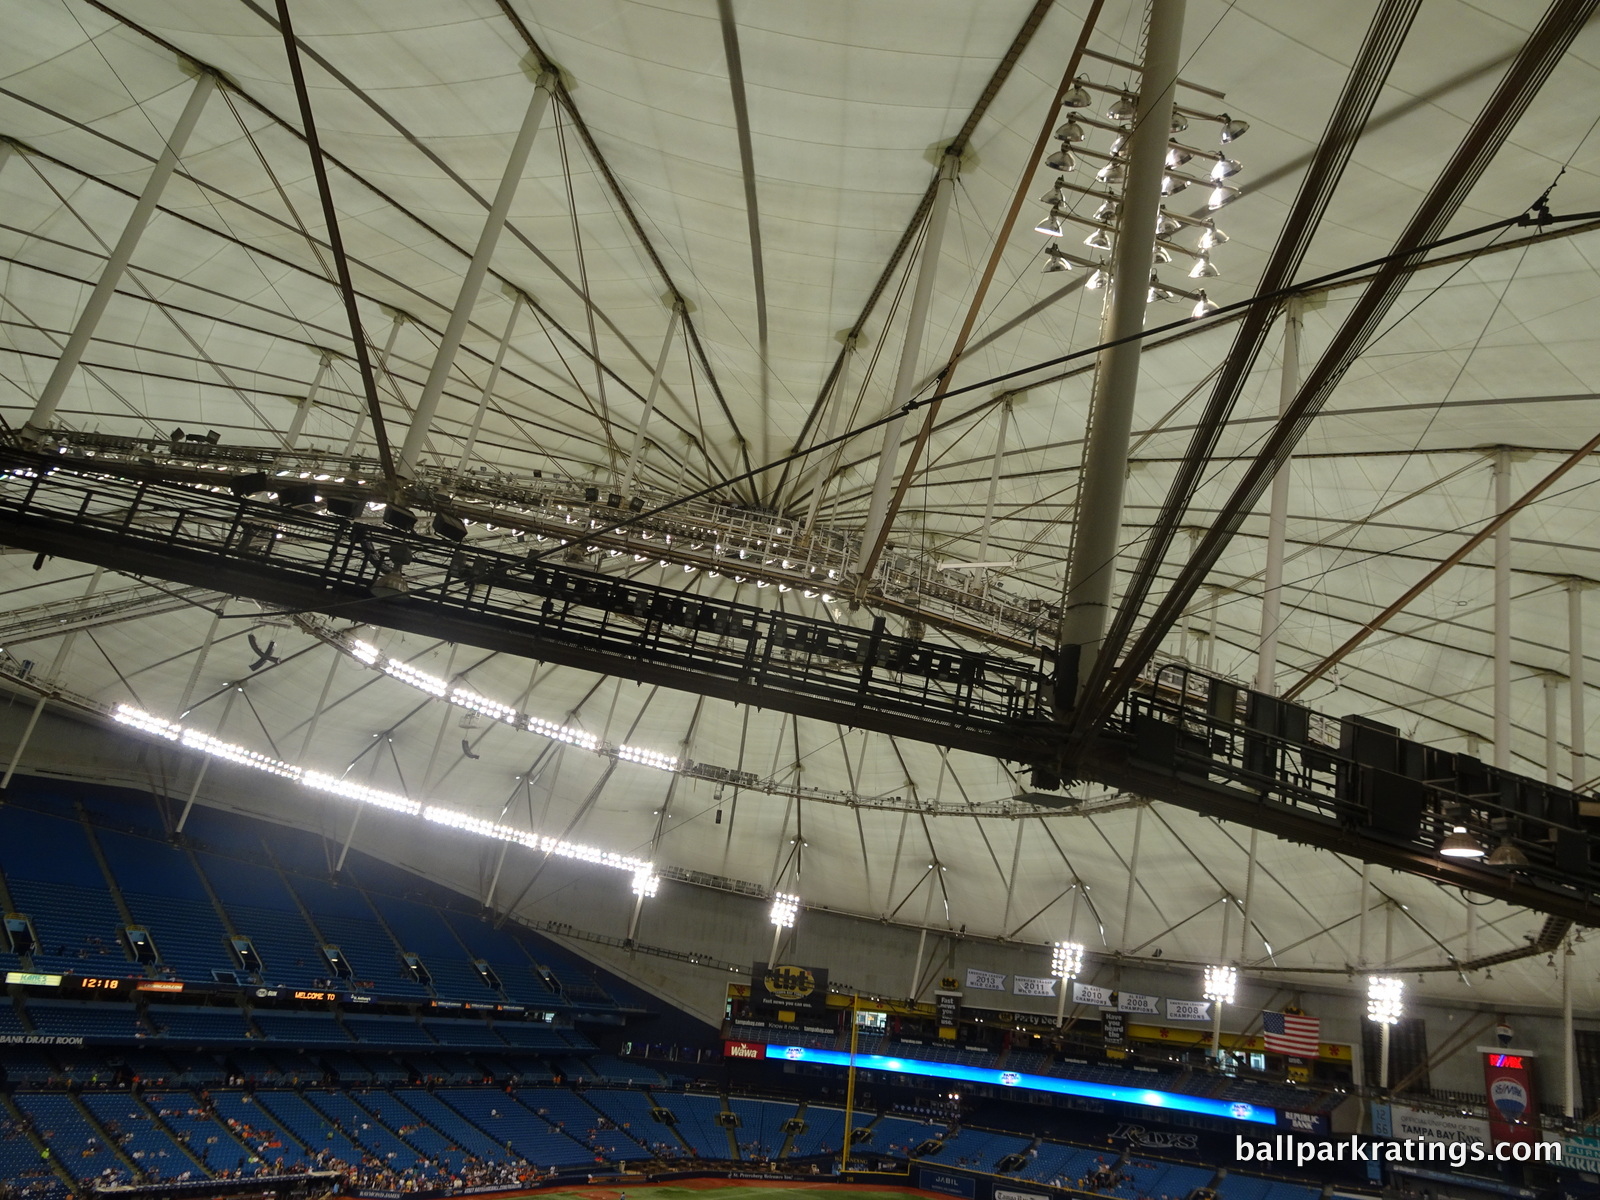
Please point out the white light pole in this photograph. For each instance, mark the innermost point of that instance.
(1385, 1004)
(1066, 961)
(785, 908)
(645, 884)
(1222, 983)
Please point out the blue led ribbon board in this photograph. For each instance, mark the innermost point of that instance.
(1233, 1110)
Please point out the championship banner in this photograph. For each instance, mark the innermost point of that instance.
(1188, 1010)
(788, 987)
(1513, 1098)
(1135, 1003)
(986, 981)
(1095, 997)
(1023, 985)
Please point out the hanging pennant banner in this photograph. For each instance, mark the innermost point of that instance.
(1095, 997)
(986, 981)
(1023, 985)
(1188, 1010)
(1135, 1003)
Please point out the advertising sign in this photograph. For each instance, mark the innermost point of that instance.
(786, 986)
(1513, 1097)
(947, 1182)
(1114, 1026)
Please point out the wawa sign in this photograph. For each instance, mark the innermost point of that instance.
(743, 1050)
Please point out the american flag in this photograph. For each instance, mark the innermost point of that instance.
(1291, 1033)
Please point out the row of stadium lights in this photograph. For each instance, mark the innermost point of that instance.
(645, 880)
(1105, 224)
(441, 689)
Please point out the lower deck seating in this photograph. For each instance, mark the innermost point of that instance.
(572, 1113)
(516, 1127)
(697, 1124)
(199, 1128)
(72, 1141)
(21, 1165)
(140, 1136)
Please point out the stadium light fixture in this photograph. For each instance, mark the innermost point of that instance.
(1222, 983)
(785, 908)
(1066, 960)
(1385, 999)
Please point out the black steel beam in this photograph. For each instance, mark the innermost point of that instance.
(1182, 738)
(1108, 761)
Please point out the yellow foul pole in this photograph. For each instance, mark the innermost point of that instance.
(850, 1086)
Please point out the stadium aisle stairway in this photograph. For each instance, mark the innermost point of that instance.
(269, 1140)
(697, 1123)
(71, 1139)
(567, 1110)
(141, 1137)
(517, 1127)
(358, 1124)
(450, 1123)
(207, 1137)
(412, 1129)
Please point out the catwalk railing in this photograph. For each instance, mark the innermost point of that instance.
(1352, 786)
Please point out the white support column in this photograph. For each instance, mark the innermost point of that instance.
(1249, 896)
(1278, 511)
(117, 263)
(1502, 613)
(1133, 881)
(303, 409)
(1383, 1056)
(1569, 1065)
(994, 479)
(650, 402)
(822, 475)
(1208, 658)
(396, 319)
(1011, 882)
(472, 281)
(1578, 717)
(200, 657)
(905, 379)
(56, 664)
(1092, 567)
(489, 381)
(1361, 915)
(1552, 732)
(205, 763)
(916, 965)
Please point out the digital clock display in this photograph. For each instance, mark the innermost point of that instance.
(92, 983)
